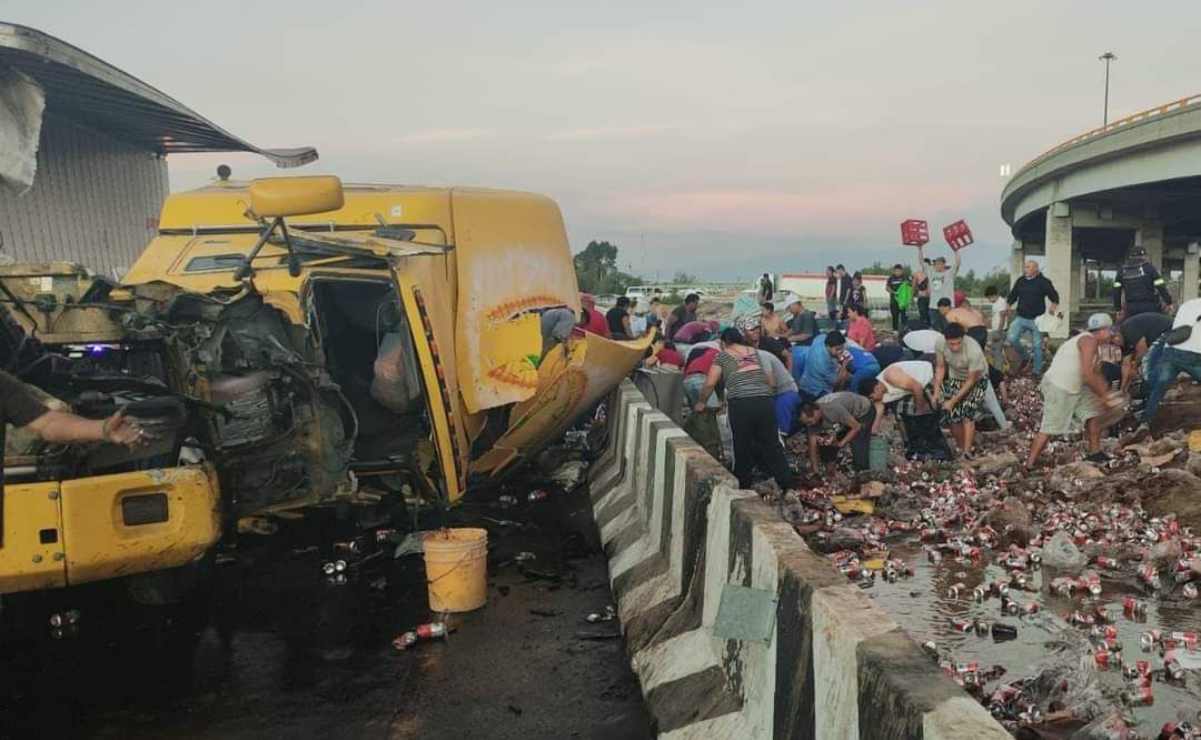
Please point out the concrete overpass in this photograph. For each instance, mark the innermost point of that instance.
(1084, 203)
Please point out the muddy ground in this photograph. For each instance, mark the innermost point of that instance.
(278, 651)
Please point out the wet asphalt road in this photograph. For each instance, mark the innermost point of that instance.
(278, 652)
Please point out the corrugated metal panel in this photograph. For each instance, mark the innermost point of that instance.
(95, 93)
(95, 200)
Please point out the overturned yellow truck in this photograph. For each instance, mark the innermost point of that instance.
(296, 346)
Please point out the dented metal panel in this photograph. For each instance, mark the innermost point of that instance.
(512, 259)
(569, 383)
(104, 98)
(101, 544)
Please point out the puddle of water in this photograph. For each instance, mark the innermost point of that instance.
(929, 616)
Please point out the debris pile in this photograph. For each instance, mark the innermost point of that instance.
(1089, 557)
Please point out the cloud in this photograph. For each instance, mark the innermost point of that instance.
(445, 136)
(614, 132)
(837, 208)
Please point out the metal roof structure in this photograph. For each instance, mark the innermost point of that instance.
(96, 94)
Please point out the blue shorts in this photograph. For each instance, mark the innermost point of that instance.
(788, 406)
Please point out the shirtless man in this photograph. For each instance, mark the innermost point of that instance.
(972, 320)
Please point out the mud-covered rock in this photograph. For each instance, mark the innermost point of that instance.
(1075, 478)
(1012, 520)
(1109, 727)
(872, 489)
(1193, 464)
(993, 464)
(1173, 491)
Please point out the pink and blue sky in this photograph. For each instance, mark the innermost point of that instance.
(728, 138)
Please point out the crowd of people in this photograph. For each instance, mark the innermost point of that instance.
(820, 384)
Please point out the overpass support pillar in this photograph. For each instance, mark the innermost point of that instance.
(1150, 238)
(1189, 289)
(1017, 259)
(1079, 277)
(1060, 264)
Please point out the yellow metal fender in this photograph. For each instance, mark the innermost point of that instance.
(31, 515)
(180, 507)
(569, 383)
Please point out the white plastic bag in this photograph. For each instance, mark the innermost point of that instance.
(1049, 323)
(395, 385)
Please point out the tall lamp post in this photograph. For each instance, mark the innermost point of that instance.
(1107, 57)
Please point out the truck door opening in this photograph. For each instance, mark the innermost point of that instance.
(369, 352)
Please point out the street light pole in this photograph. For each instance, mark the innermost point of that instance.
(1107, 57)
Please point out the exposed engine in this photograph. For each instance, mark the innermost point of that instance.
(276, 425)
(282, 409)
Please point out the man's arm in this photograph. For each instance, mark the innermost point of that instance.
(973, 377)
(1161, 288)
(940, 372)
(1012, 298)
(843, 374)
(1052, 294)
(853, 427)
(1088, 362)
(879, 417)
(63, 426)
(1128, 365)
(813, 462)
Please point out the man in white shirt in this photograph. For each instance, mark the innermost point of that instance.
(1173, 359)
(1000, 308)
(1075, 388)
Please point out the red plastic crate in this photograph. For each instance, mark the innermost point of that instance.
(915, 232)
(958, 235)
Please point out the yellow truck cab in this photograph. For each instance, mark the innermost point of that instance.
(298, 345)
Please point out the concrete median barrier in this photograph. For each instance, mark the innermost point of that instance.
(685, 544)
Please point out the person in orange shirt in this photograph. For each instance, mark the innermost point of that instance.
(859, 328)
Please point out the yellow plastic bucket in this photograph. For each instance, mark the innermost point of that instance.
(456, 569)
(1194, 440)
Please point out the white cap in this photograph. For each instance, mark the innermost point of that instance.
(1099, 321)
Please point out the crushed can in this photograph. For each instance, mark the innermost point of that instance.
(1134, 607)
(1139, 697)
(429, 631)
(962, 625)
(1147, 641)
(1149, 576)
